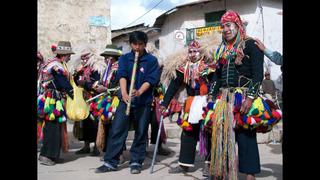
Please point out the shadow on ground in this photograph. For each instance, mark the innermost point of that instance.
(276, 148)
(271, 170)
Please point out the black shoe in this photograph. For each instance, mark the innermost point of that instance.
(84, 150)
(60, 160)
(95, 152)
(178, 169)
(205, 171)
(163, 152)
(135, 169)
(104, 169)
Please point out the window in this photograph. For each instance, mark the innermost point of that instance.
(189, 36)
(213, 18)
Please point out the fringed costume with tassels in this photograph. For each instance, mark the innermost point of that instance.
(51, 107)
(194, 76)
(102, 109)
(235, 80)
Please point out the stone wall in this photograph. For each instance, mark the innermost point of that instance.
(73, 20)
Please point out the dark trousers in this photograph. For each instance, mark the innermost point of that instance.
(188, 146)
(118, 133)
(51, 144)
(248, 152)
(90, 129)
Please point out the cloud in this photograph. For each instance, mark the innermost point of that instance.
(126, 11)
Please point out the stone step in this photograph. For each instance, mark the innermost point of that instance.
(174, 131)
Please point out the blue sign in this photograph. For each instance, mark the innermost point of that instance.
(99, 21)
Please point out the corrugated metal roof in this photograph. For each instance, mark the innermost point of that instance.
(140, 27)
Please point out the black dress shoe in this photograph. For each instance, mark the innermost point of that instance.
(178, 169)
(84, 150)
(104, 169)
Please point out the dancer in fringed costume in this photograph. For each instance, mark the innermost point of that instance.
(146, 77)
(239, 112)
(51, 104)
(87, 74)
(193, 74)
(109, 102)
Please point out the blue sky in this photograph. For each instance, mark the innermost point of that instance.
(123, 12)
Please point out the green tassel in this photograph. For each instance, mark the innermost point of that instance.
(60, 119)
(59, 106)
(46, 105)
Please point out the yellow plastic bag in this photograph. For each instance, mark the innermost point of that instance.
(77, 109)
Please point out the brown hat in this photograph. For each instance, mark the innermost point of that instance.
(64, 47)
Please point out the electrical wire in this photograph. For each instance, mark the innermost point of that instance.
(144, 14)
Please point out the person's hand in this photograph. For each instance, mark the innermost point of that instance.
(259, 44)
(100, 88)
(125, 97)
(239, 57)
(79, 68)
(246, 105)
(162, 109)
(135, 93)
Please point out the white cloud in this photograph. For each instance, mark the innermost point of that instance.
(124, 12)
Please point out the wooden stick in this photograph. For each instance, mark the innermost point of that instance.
(133, 78)
(104, 93)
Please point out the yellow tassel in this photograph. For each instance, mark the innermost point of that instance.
(115, 102)
(102, 118)
(238, 90)
(161, 97)
(51, 117)
(52, 101)
(185, 116)
(185, 124)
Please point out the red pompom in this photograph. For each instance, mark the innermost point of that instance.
(276, 115)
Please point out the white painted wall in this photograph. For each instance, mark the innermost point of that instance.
(191, 17)
(188, 17)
